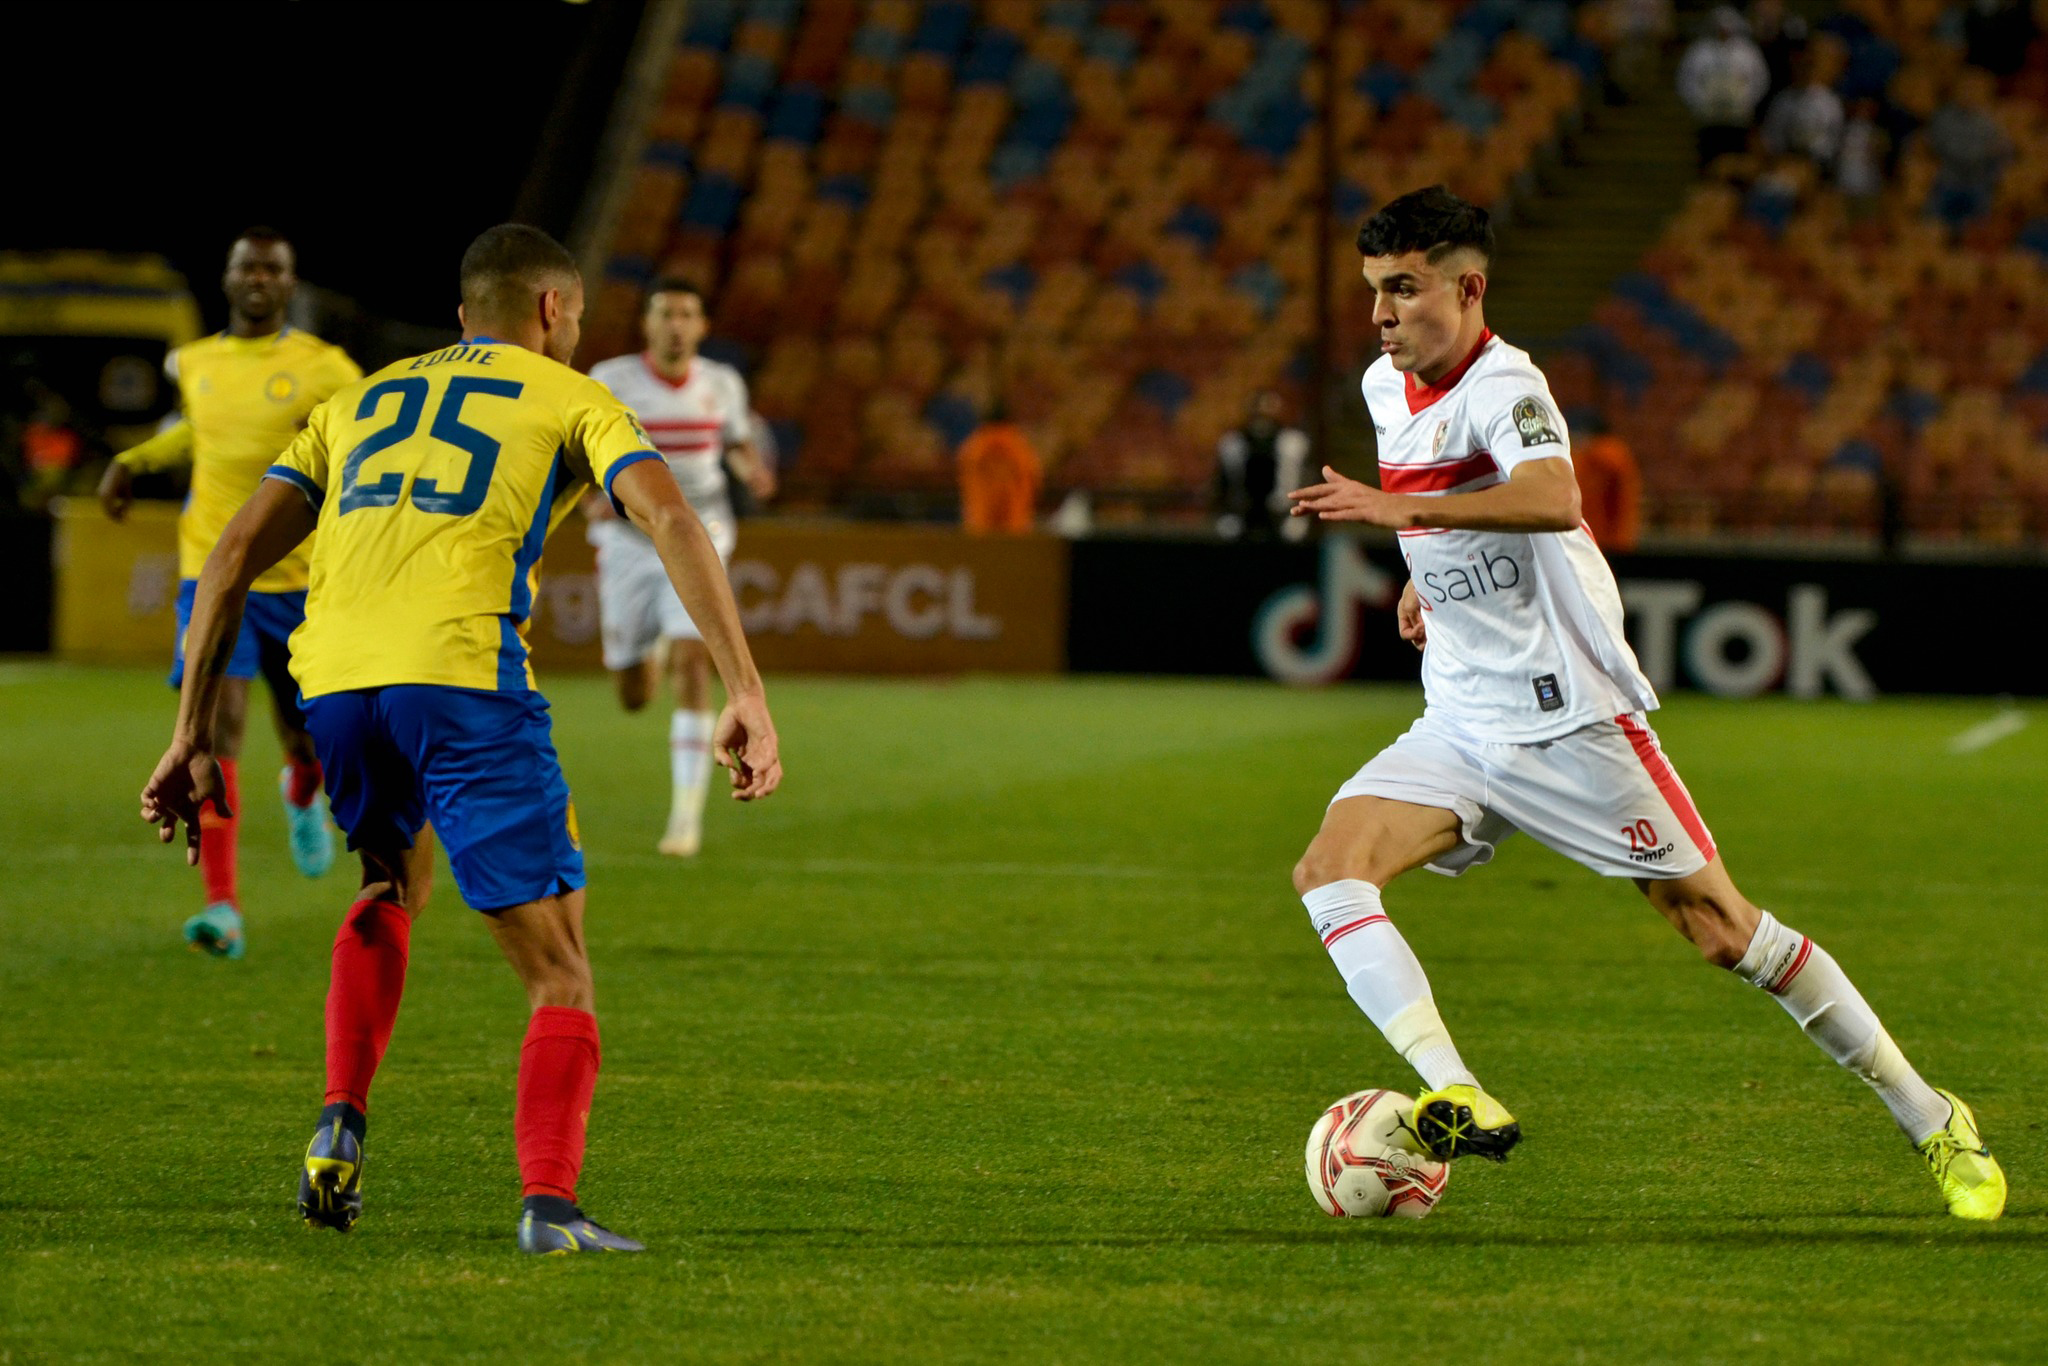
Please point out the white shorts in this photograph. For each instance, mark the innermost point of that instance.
(636, 605)
(1604, 796)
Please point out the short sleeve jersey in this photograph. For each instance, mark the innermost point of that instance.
(692, 421)
(1524, 630)
(246, 398)
(436, 481)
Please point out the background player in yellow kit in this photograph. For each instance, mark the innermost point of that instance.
(245, 393)
(434, 484)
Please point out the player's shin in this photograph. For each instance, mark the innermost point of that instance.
(1384, 977)
(557, 1077)
(1819, 995)
(368, 981)
(689, 750)
(217, 840)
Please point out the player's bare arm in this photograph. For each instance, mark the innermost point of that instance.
(1408, 614)
(1539, 495)
(270, 525)
(744, 740)
(753, 471)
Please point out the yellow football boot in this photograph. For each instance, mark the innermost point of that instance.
(1463, 1121)
(1969, 1176)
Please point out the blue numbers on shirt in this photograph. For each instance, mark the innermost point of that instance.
(448, 426)
(385, 491)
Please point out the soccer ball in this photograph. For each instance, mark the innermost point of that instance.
(1364, 1161)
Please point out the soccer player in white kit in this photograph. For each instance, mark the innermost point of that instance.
(696, 411)
(1534, 715)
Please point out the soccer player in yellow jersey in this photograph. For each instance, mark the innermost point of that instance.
(245, 394)
(434, 483)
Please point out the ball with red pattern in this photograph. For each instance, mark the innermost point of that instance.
(1365, 1162)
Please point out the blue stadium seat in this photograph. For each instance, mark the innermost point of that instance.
(992, 58)
(942, 26)
(1857, 454)
(1262, 284)
(748, 79)
(873, 105)
(1143, 279)
(1013, 163)
(1915, 407)
(1016, 280)
(953, 415)
(1194, 221)
(797, 115)
(1808, 374)
(714, 202)
(710, 24)
(844, 189)
(1164, 388)
(877, 43)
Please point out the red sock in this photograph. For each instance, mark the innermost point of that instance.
(557, 1075)
(217, 840)
(362, 996)
(304, 783)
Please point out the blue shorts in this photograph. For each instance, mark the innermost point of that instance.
(262, 646)
(480, 767)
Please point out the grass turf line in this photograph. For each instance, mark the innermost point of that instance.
(996, 1035)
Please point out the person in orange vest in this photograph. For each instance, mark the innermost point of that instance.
(1610, 490)
(999, 478)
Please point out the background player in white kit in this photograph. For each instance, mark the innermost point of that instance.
(696, 411)
(1534, 715)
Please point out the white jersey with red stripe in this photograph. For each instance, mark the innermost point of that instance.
(1524, 630)
(691, 422)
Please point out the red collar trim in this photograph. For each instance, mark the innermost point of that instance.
(648, 361)
(1420, 396)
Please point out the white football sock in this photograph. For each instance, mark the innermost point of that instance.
(689, 765)
(1382, 974)
(1818, 994)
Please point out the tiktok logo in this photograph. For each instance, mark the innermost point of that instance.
(1281, 632)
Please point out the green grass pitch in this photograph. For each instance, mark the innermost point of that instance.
(997, 1035)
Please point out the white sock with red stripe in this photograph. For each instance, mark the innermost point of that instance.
(1816, 992)
(1382, 974)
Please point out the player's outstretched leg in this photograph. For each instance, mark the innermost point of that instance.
(305, 819)
(1814, 991)
(689, 748)
(1373, 840)
(217, 930)
(366, 984)
(543, 940)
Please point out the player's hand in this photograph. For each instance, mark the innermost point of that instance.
(117, 490)
(761, 480)
(598, 508)
(745, 743)
(1339, 499)
(1409, 614)
(187, 781)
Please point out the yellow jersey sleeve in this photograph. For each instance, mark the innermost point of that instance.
(605, 435)
(169, 449)
(303, 464)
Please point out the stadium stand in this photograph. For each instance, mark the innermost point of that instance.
(1103, 213)
(1795, 357)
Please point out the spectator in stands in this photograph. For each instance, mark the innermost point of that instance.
(1970, 151)
(1610, 486)
(1859, 166)
(1722, 79)
(999, 478)
(1805, 120)
(1780, 37)
(1256, 465)
(1637, 31)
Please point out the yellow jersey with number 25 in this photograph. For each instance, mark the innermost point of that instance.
(436, 481)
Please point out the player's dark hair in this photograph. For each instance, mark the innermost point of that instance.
(508, 265)
(672, 284)
(264, 237)
(1433, 221)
